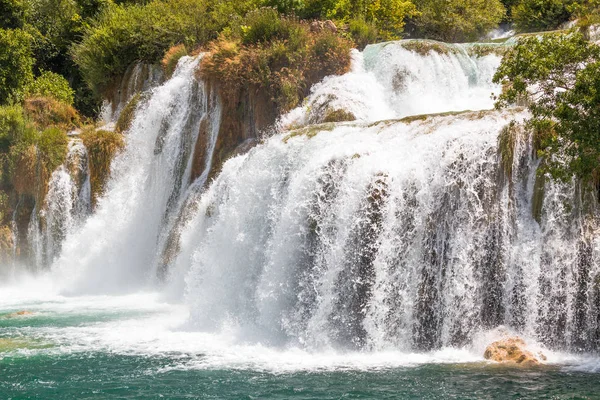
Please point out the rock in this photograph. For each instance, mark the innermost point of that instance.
(330, 26)
(512, 350)
(19, 314)
(316, 26)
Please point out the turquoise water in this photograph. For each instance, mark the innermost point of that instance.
(102, 375)
(139, 347)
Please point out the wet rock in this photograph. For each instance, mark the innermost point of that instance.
(330, 26)
(512, 350)
(17, 314)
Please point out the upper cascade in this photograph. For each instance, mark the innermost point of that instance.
(398, 79)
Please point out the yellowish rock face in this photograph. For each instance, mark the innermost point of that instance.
(512, 350)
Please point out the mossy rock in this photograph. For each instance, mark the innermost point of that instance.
(128, 113)
(339, 115)
(424, 47)
(310, 131)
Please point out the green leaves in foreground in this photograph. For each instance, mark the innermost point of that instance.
(559, 77)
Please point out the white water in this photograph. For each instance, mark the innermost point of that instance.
(117, 247)
(393, 237)
(388, 81)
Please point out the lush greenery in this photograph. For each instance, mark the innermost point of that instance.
(558, 75)
(279, 55)
(102, 146)
(457, 20)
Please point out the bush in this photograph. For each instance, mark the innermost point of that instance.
(49, 84)
(102, 147)
(13, 126)
(362, 32)
(283, 67)
(457, 20)
(123, 35)
(265, 25)
(52, 148)
(16, 63)
(171, 58)
(540, 15)
(46, 112)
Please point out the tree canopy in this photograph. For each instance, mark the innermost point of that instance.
(559, 77)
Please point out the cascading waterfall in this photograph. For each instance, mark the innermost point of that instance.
(67, 204)
(119, 244)
(376, 234)
(390, 81)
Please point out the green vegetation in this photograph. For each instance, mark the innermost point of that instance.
(279, 55)
(31, 147)
(540, 15)
(171, 58)
(16, 64)
(457, 20)
(50, 84)
(560, 76)
(102, 146)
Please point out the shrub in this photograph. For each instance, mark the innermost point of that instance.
(264, 25)
(283, 67)
(171, 58)
(457, 20)
(540, 15)
(102, 146)
(126, 34)
(49, 84)
(47, 111)
(52, 147)
(13, 126)
(362, 32)
(16, 63)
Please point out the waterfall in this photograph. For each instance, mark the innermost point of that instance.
(118, 247)
(391, 81)
(380, 233)
(66, 205)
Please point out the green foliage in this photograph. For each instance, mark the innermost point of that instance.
(281, 62)
(457, 20)
(126, 34)
(171, 58)
(127, 114)
(560, 74)
(16, 64)
(28, 154)
(540, 15)
(13, 126)
(362, 32)
(102, 146)
(12, 14)
(52, 147)
(49, 84)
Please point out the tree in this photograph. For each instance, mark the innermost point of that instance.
(457, 20)
(16, 63)
(560, 77)
(12, 14)
(540, 15)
